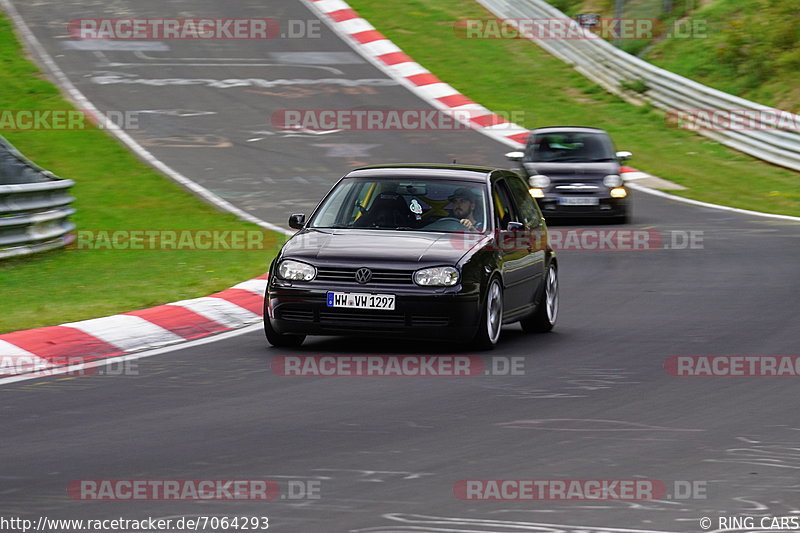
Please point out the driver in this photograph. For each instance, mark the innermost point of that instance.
(464, 201)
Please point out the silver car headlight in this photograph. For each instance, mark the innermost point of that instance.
(539, 181)
(296, 271)
(612, 180)
(436, 277)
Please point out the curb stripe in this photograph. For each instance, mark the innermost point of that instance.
(60, 342)
(128, 333)
(258, 286)
(343, 15)
(180, 321)
(394, 58)
(31, 351)
(423, 79)
(226, 313)
(246, 299)
(368, 36)
(455, 100)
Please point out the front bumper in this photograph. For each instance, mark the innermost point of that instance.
(431, 313)
(606, 207)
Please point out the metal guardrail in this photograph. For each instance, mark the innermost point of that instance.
(34, 206)
(615, 70)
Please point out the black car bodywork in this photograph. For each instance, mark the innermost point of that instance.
(492, 257)
(575, 172)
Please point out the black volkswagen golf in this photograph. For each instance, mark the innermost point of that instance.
(424, 251)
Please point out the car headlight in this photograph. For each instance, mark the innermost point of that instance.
(618, 192)
(295, 270)
(436, 277)
(536, 193)
(612, 180)
(540, 181)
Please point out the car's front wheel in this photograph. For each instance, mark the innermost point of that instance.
(491, 321)
(544, 318)
(281, 340)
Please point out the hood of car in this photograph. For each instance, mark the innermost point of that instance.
(376, 247)
(580, 172)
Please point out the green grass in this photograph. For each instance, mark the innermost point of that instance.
(751, 49)
(516, 75)
(114, 190)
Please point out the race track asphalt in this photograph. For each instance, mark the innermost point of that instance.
(593, 401)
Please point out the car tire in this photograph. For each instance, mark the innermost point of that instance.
(281, 340)
(544, 318)
(491, 321)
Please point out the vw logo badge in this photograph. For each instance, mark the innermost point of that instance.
(363, 275)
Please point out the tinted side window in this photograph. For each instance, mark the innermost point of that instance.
(503, 207)
(526, 207)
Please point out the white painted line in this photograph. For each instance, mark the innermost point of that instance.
(220, 311)
(126, 332)
(436, 90)
(637, 175)
(317, 58)
(381, 47)
(85, 104)
(138, 355)
(107, 45)
(329, 6)
(258, 286)
(698, 203)
(352, 26)
(400, 71)
(477, 110)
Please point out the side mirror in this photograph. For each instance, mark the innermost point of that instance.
(515, 156)
(624, 156)
(515, 226)
(297, 221)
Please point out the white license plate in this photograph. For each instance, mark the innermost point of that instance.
(356, 300)
(578, 201)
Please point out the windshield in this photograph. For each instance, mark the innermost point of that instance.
(416, 204)
(569, 147)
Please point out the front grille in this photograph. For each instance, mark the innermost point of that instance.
(359, 318)
(365, 319)
(429, 320)
(577, 188)
(298, 315)
(379, 276)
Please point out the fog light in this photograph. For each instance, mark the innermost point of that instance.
(618, 192)
(537, 193)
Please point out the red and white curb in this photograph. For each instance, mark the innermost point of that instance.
(387, 56)
(37, 351)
